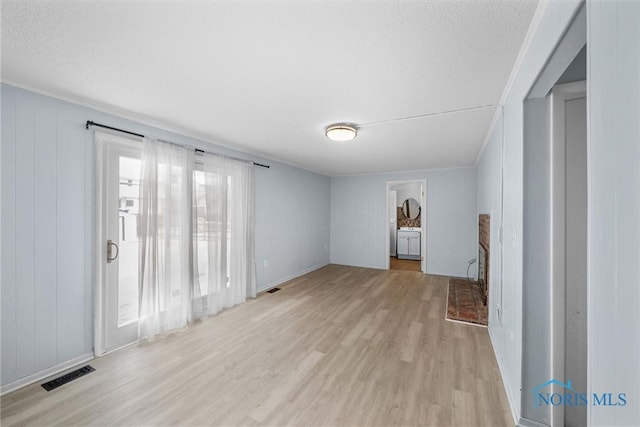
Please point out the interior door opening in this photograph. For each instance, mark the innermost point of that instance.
(406, 225)
(554, 241)
(569, 109)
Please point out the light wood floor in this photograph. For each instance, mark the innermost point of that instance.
(404, 264)
(341, 346)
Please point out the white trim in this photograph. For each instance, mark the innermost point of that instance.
(268, 286)
(107, 144)
(524, 49)
(572, 91)
(33, 378)
(148, 121)
(392, 199)
(462, 322)
(502, 370)
(572, 42)
(526, 43)
(560, 94)
(496, 115)
(118, 348)
(99, 250)
(525, 422)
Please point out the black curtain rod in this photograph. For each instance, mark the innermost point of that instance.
(91, 123)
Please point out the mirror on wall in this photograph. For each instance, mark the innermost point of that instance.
(411, 208)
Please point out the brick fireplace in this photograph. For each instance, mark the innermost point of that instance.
(483, 254)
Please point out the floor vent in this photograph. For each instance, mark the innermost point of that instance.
(273, 290)
(67, 378)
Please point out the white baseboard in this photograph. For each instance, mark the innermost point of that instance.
(524, 422)
(516, 416)
(374, 267)
(33, 378)
(291, 277)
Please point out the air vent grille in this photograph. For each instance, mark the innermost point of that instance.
(68, 377)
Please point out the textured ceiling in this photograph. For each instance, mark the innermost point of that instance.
(267, 77)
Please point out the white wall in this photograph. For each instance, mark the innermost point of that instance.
(292, 223)
(46, 235)
(506, 329)
(613, 107)
(359, 228)
(613, 104)
(47, 227)
(489, 196)
(537, 247)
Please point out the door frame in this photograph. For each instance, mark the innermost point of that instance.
(536, 328)
(560, 94)
(104, 143)
(423, 221)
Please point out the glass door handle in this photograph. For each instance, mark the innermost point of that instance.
(110, 245)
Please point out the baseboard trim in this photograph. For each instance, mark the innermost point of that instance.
(373, 267)
(461, 322)
(525, 422)
(38, 376)
(516, 416)
(290, 277)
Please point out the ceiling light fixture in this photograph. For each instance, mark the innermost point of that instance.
(347, 132)
(341, 132)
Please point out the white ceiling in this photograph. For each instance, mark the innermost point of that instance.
(267, 77)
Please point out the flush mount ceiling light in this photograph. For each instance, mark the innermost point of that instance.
(347, 132)
(341, 132)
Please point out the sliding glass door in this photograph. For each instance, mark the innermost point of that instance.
(175, 238)
(118, 256)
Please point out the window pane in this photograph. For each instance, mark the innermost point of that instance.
(201, 232)
(212, 231)
(129, 214)
(229, 219)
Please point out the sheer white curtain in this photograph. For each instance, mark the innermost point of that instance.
(223, 246)
(166, 236)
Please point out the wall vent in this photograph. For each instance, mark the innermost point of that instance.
(68, 377)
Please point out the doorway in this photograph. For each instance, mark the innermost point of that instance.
(554, 241)
(117, 201)
(555, 176)
(569, 245)
(406, 225)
